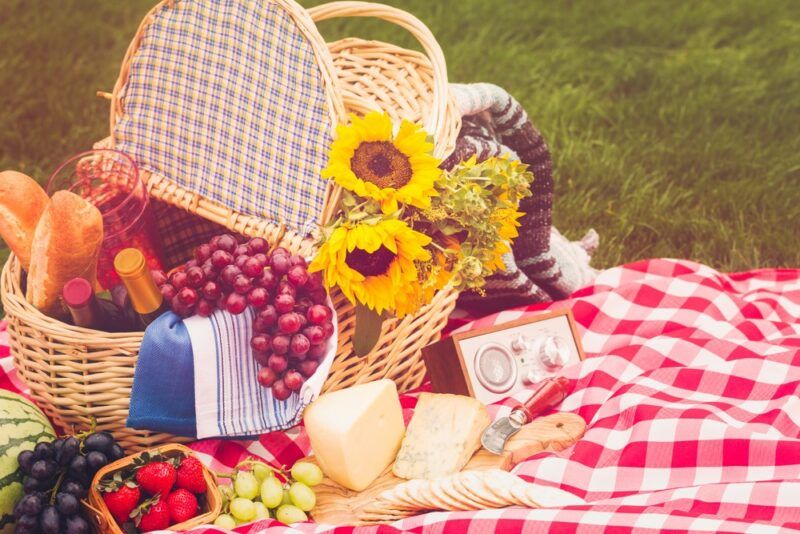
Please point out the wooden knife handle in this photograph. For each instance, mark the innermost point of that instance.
(548, 393)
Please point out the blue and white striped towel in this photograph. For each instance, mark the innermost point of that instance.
(229, 402)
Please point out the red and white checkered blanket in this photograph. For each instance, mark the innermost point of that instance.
(690, 391)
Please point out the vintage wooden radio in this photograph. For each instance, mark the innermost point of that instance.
(493, 363)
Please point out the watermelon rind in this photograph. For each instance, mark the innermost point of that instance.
(22, 426)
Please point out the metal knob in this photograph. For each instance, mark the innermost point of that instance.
(519, 343)
(552, 352)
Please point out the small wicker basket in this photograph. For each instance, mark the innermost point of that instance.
(106, 524)
(76, 374)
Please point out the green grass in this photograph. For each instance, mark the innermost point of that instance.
(675, 126)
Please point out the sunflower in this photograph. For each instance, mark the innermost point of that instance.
(367, 159)
(373, 263)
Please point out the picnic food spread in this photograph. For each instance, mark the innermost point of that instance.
(281, 249)
(323, 251)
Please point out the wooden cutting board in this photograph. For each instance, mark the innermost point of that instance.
(337, 505)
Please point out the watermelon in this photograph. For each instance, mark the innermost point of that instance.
(22, 426)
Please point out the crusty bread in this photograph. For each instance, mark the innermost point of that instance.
(22, 202)
(66, 245)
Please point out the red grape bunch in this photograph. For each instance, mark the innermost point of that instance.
(292, 321)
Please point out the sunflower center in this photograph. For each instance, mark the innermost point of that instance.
(381, 163)
(370, 263)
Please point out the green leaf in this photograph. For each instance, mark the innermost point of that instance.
(368, 329)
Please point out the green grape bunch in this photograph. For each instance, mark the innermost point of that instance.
(259, 491)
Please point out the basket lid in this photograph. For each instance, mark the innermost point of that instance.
(232, 100)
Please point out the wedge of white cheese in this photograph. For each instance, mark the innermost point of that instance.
(442, 436)
(355, 432)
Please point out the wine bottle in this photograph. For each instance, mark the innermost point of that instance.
(119, 296)
(146, 299)
(89, 311)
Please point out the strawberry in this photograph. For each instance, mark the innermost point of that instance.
(121, 496)
(121, 502)
(156, 477)
(152, 514)
(190, 475)
(182, 505)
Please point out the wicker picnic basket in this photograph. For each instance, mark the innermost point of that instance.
(77, 374)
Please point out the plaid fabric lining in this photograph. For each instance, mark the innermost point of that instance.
(225, 98)
(180, 232)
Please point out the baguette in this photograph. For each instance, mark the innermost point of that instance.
(22, 202)
(66, 245)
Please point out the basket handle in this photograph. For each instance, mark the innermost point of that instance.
(435, 123)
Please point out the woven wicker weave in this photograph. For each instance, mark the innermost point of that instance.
(76, 374)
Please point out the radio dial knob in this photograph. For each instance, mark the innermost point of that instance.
(519, 343)
(553, 352)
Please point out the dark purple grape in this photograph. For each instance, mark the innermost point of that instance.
(43, 450)
(26, 523)
(77, 525)
(68, 451)
(25, 460)
(30, 504)
(77, 468)
(67, 504)
(116, 452)
(43, 469)
(95, 460)
(99, 441)
(49, 520)
(18, 509)
(30, 484)
(73, 487)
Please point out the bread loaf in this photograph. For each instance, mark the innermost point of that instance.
(22, 202)
(66, 245)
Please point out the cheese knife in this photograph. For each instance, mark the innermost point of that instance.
(548, 393)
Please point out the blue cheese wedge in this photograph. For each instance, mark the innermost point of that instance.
(442, 436)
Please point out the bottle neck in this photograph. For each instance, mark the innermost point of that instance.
(143, 293)
(85, 316)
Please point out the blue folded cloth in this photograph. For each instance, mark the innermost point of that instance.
(197, 378)
(162, 398)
